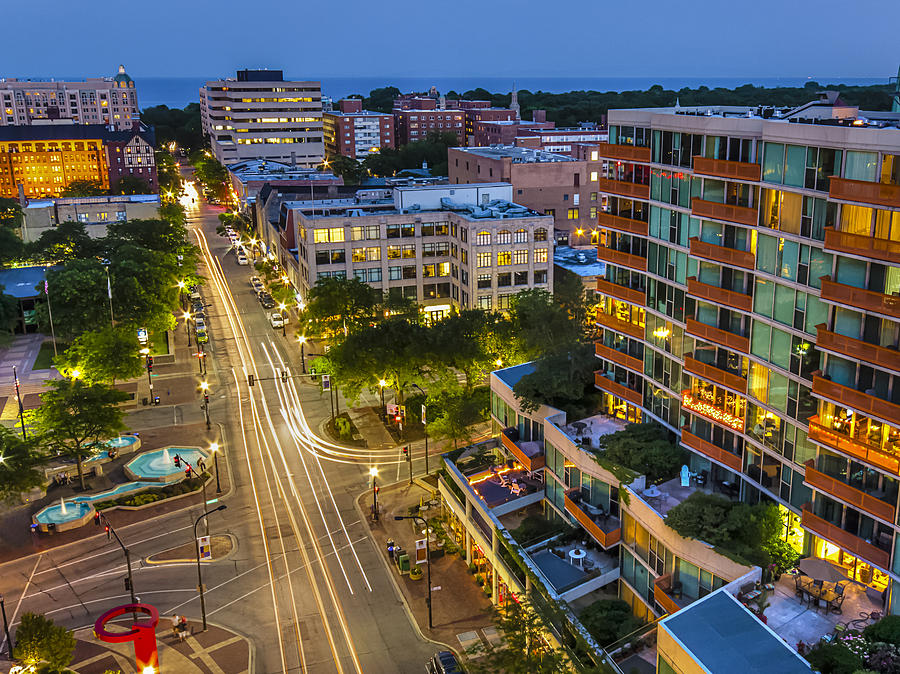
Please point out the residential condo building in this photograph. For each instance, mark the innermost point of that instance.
(356, 133)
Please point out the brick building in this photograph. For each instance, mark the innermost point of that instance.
(353, 132)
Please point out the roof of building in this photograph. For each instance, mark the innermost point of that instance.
(581, 261)
(22, 282)
(102, 132)
(724, 637)
(122, 78)
(511, 375)
(359, 113)
(269, 170)
(519, 155)
(115, 199)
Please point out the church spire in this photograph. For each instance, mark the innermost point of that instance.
(514, 102)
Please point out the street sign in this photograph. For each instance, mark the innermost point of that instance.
(393, 410)
(423, 415)
(205, 549)
(421, 552)
(326, 382)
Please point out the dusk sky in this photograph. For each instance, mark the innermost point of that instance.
(464, 37)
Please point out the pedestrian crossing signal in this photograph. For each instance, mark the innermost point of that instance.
(251, 380)
(284, 375)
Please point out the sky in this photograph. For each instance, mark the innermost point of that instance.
(496, 38)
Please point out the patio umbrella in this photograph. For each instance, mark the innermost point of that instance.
(822, 569)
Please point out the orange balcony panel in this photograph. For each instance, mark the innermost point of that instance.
(857, 349)
(605, 539)
(847, 494)
(616, 389)
(627, 225)
(853, 448)
(722, 255)
(714, 374)
(864, 246)
(880, 194)
(863, 402)
(721, 337)
(623, 189)
(623, 152)
(612, 256)
(844, 539)
(711, 451)
(722, 168)
(716, 211)
(860, 298)
(618, 357)
(529, 462)
(719, 295)
(621, 292)
(660, 585)
(626, 328)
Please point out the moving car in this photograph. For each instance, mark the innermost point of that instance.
(276, 319)
(444, 662)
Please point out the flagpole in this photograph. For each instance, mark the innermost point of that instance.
(50, 312)
(112, 322)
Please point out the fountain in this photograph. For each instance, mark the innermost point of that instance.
(159, 465)
(63, 516)
(62, 506)
(165, 454)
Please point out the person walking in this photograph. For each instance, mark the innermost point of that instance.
(176, 621)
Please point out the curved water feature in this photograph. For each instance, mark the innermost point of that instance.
(159, 465)
(64, 515)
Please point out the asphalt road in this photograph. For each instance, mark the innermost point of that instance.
(305, 582)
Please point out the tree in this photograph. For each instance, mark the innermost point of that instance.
(67, 241)
(348, 168)
(131, 185)
(78, 296)
(9, 312)
(104, 355)
(173, 125)
(560, 378)
(11, 213)
(12, 248)
(336, 306)
(75, 415)
(834, 658)
(168, 175)
(19, 464)
(541, 323)
(83, 188)
(382, 99)
(526, 650)
(609, 620)
(458, 411)
(39, 640)
(645, 449)
(212, 175)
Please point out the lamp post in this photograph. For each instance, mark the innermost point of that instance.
(302, 340)
(199, 573)
(418, 518)
(19, 400)
(148, 361)
(281, 308)
(187, 326)
(181, 288)
(214, 448)
(373, 472)
(381, 384)
(9, 643)
(204, 386)
(201, 354)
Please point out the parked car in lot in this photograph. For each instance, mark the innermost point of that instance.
(266, 300)
(276, 319)
(444, 662)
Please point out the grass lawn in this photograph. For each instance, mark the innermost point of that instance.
(159, 344)
(44, 360)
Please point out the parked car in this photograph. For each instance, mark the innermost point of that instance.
(444, 662)
(202, 337)
(200, 323)
(276, 319)
(257, 284)
(242, 258)
(266, 300)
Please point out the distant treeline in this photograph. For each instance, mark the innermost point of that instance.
(571, 107)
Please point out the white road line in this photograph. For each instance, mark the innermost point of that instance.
(22, 597)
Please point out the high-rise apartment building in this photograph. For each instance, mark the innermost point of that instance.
(103, 100)
(259, 115)
(353, 132)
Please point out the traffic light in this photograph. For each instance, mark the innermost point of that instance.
(251, 380)
(406, 453)
(284, 376)
(177, 461)
(96, 519)
(127, 584)
(108, 536)
(376, 489)
(150, 363)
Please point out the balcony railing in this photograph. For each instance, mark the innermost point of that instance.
(714, 374)
(857, 400)
(617, 389)
(851, 495)
(710, 450)
(625, 327)
(844, 539)
(632, 295)
(618, 357)
(606, 539)
(721, 337)
(529, 462)
(853, 447)
(623, 152)
(661, 587)
(610, 221)
(730, 256)
(857, 349)
(880, 194)
(860, 298)
(618, 258)
(719, 295)
(740, 170)
(716, 211)
(864, 246)
(623, 189)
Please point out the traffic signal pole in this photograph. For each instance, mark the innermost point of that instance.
(98, 517)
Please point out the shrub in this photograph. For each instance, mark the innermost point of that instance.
(886, 630)
(535, 527)
(39, 639)
(645, 449)
(834, 658)
(609, 620)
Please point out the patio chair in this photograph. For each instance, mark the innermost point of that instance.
(835, 604)
(504, 481)
(799, 582)
(516, 488)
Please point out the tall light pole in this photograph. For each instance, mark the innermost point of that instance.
(418, 518)
(373, 472)
(148, 361)
(281, 308)
(381, 384)
(181, 288)
(187, 325)
(214, 448)
(302, 340)
(19, 400)
(199, 573)
(204, 386)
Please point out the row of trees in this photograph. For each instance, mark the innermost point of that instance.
(211, 175)
(173, 125)
(92, 188)
(389, 161)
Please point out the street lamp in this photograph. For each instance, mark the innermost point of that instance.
(76, 373)
(498, 363)
(381, 384)
(214, 448)
(187, 326)
(421, 519)
(199, 574)
(302, 340)
(373, 472)
(181, 287)
(204, 386)
(19, 400)
(281, 308)
(148, 361)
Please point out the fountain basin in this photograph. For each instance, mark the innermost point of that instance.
(158, 465)
(76, 515)
(123, 444)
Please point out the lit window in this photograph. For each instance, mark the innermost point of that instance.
(504, 258)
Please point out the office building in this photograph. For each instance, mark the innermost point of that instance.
(555, 184)
(259, 115)
(356, 133)
(102, 100)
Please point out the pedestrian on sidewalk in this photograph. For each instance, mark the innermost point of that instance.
(176, 621)
(183, 628)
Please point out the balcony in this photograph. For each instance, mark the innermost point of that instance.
(618, 390)
(863, 246)
(850, 495)
(844, 539)
(857, 400)
(606, 530)
(860, 298)
(863, 191)
(711, 451)
(617, 357)
(621, 259)
(617, 324)
(738, 170)
(718, 295)
(530, 453)
(627, 225)
(662, 586)
(855, 448)
(623, 189)
(632, 295)
(721, 337)
(856, 349)
(722, 255)
(714, 374)
(623, 152)
(715, 211)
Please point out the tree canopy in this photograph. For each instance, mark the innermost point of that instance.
(131, 185)
(645, 449)
(524, 649)
(183, 126)
(83, 188)
(40, 640)
(20, 461)
(211, 174)
(103, 355)
(432, 150)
